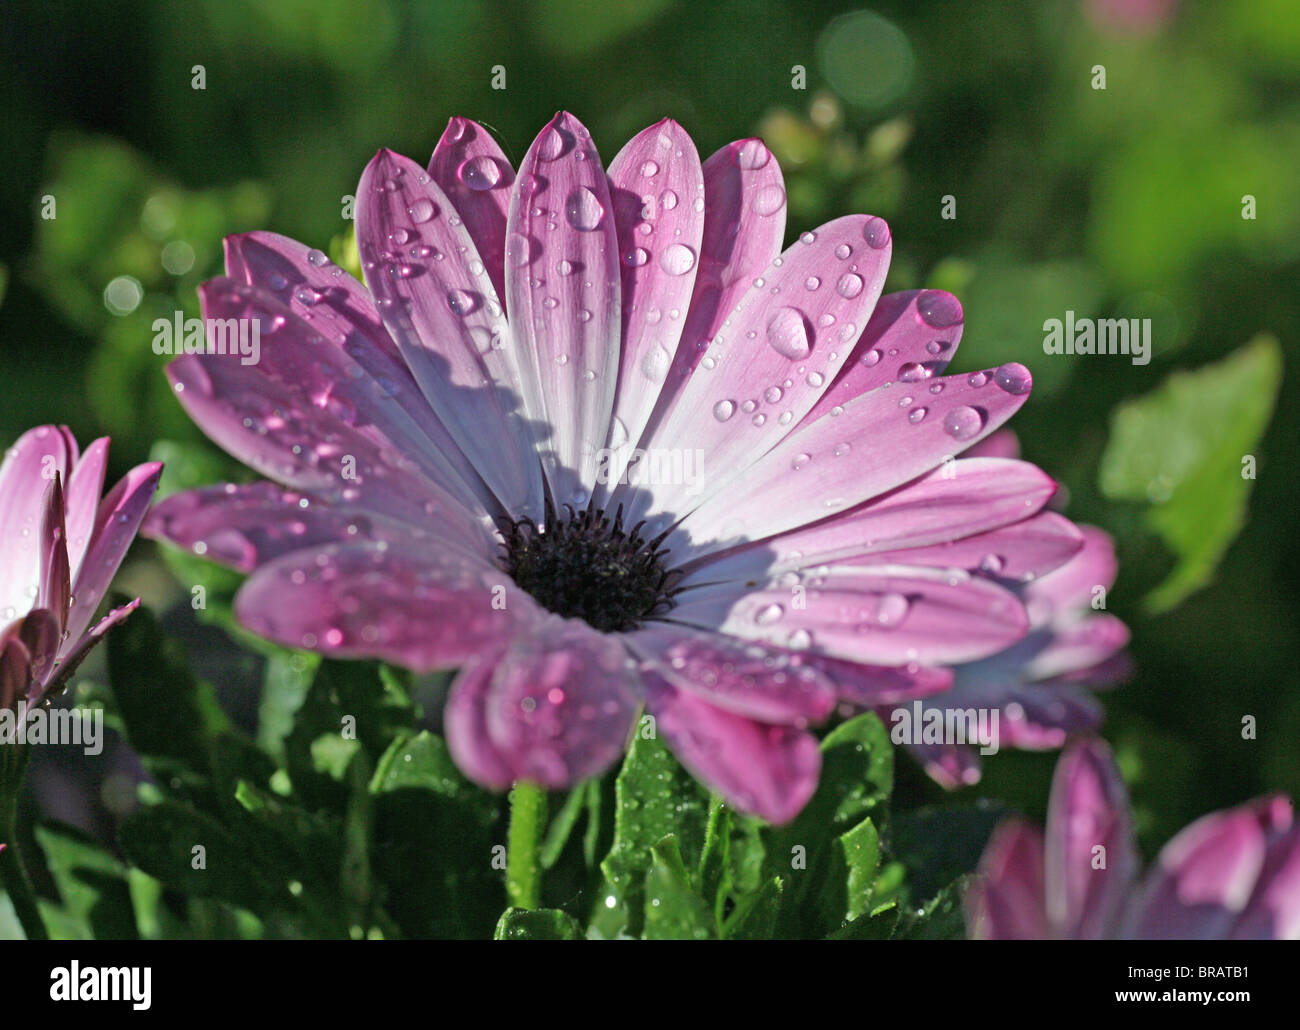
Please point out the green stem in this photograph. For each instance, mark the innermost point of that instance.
(527, 821)
(13, 876)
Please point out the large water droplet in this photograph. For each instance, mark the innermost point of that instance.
(655, 364)
(849, 286)
(723, 410)
(649, 169)
(768, 614)
(636, 257)
(677, 259)
(1014, 378)
(963, 423)
(769, 200)
(938, 309)
(518, 250)
(460, 302)
(752, 153)
(480, 173)
(553, 143)
(787, 334)
(876, 233)
(891, 609)
(421, 210)
(911, 372)
(583, 210)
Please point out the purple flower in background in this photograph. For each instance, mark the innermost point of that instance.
(60, 545)
(1231, 874)
(1042, 686)
(592, 437)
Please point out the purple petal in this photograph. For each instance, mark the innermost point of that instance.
(561, 704)
(876, 444)
(772, 360)
(562, 285)
(1074, 586)
(745, 678)
(118, 521)
(870, 685)
(911, 333)
(30, 465)
(471, 169)
(424, 610)
(655, 183)
(436, 300)
(85, 487)
(464, 722)
(769, 771)
(1090, 858)
(1006, 901)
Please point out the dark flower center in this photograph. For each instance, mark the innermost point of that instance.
(587, 566)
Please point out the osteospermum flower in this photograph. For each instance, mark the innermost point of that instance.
(592, 437)
(1042, 686)
(1229, 875)
(60, 545)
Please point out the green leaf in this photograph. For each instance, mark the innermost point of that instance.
(1182, 448)
(941, 843)
(673, 911)
(654, 798)
(92, 884)
(537, 924)
(756, 914)
(939, 919)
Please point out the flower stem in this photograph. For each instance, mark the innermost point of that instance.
(13, 876)
(527, 821)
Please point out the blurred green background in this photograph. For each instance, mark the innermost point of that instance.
(1126, 201)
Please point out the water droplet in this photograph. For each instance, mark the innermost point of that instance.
(815, 379)
(843, 251)
(1014, 378)
(963, 423)
(890, 609)
(911, 372)
(876, 233)
(420, 211)
(317, 258)
(668, 200)
(480, 173)
(992, 564)
(916, 415)
(938, 309)
(552, 144)
(649, 169)
(677, 259)
(787, 334)
(583, 210)
(978, 379)
(460, 302)
(772, 394)
(811, 283)
(800, 460)
(849, 286)
(871, 358)
(750, 154)
(723, 410)
(769, 614)
(769, 200)
(655, 364)
(518, 250)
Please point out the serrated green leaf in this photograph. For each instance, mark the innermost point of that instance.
(92, 884)
(1181, 449)
(673, 911)
(537, 924)
(757, 914)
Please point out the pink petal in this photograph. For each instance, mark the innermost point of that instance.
(910, 334)
(966, 497)
(342, 311)
(424, 610)
(15, 670)
(1273, 912)
(769, 771)
(1206, 877)
(438, 303)
(952, 766)
(890, 615)
(55, 589)
(870, 685)
(774, 357)
(1002, 444)
(73, 656)
(1006, 901)
(471, 169)
(561, 704)
(744, 229)
(40, 633)
(750, 680)
(30, 465)
(305, 408)
(85, 488)
(464, 722)
(655, 183)
(1088, 825)
(1080, 645)
(839, 461)
(562, 285)
(246, 526)
(1073, 586)
(118, 521)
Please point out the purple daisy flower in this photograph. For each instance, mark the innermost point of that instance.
(593, 438)
(1042, 686)
(60, 546)
(1229, 875)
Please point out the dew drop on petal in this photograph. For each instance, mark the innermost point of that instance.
(723, 410)
(677, 259)
(849, 286)
(911, 372)
(938, 309)
(787, 334)
(963, 423)
(421, 210)
(876, 233)
(769, 200)
(480, 173)
(583, 210)
(1014, 378)
(751, 154)
(518, 250)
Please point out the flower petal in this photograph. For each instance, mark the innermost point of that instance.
(655, 182)
(464, 722)
(85, 486)
(471, 169)
(563, 289)
(1090, 859)
(30, 465)
(424, 610)
(1006, 900)
(438, 303)
(745, 678)
(769, 771)
(773, 358)
(876, 444)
